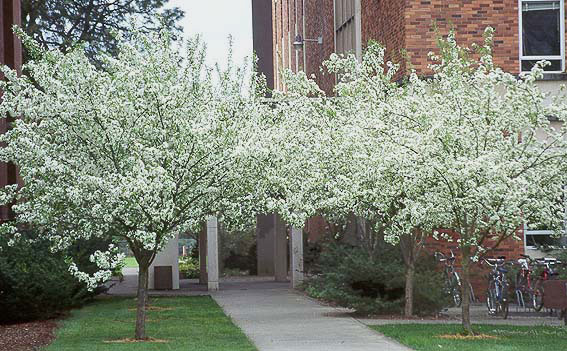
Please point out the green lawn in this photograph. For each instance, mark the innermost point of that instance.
(426, 337)
(130, 262)
(186, 323)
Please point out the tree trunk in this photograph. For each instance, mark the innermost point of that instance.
(142, 300)
(411, 245)
(465, 293)
(410, 275)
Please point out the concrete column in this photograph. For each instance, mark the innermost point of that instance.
(271, 242)
(169, 256)
(212, 254)
(296, 257)
(280, 250)
(203, 254)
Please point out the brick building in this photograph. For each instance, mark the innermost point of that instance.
(10, 55)
(306, 32)
(526, 31)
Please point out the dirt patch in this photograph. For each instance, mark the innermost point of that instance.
(27, 336)
(468, 337)
(154, 309)
(130, 340)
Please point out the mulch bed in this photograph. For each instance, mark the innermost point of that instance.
(27, 336)
(468, 337)
(130, 340)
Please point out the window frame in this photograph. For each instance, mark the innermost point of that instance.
(541, 232)
(560, 57)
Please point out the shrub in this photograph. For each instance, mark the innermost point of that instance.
(238, 252)
(189, 266)
(373, 284)
(35, 283)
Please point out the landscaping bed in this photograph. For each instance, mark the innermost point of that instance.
(176, 323)
(27, 336)
(428, 337)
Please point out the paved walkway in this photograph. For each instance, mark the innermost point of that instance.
(277, 319)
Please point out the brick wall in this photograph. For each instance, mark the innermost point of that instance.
(319, 21)
(469, 18)
(288, 22)
(401, 25)
(384, 21)
(10, 55)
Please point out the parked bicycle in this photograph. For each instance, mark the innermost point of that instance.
(497, 294)
(527, 294)
(453, 286)
(548, 272)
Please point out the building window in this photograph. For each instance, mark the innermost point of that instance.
(541, 237)
(542, 34)
(345, 27)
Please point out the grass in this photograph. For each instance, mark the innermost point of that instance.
(185, 323)
(427, 337)
(130, 262)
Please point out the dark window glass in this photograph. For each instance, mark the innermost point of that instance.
(542, 240)
(555, 66)
(541, 28)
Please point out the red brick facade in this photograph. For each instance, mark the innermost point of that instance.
(400, 25)
(319, 21)
(469, 19)
(288, 22)
(409, 25)
(10, 55)
(384, 22)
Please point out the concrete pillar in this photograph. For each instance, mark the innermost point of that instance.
(212, 254)
(280, 250)
(203, 254)
(271, 242)
(296, 257)
(169, 256)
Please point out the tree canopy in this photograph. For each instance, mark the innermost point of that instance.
(56, 24)
(144, 150)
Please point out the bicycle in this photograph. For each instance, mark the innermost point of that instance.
(497, 294)
(524, 286)
(453, 286)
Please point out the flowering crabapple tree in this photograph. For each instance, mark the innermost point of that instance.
(334, 156)
(145, 149)
(486, 137)
(373, 176)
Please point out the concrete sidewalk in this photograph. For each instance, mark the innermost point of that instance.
(276, 318)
